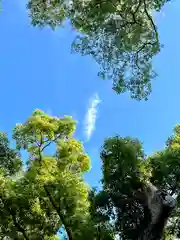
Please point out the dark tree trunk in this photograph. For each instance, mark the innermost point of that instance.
(160, 205)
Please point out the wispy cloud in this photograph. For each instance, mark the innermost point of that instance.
(91, 115)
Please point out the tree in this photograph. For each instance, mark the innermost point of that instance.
(10, 161)
(120, 35)
(136, 200)
(51, 193)
(165, 174)
(133, 195)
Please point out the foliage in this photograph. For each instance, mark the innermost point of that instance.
(10, 161)
(51, 193)
(122, 186)
(165, 173)
(120, 35)
(126, 172)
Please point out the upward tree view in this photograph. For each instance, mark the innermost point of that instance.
(46, 196)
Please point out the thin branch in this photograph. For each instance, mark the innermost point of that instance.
(62, 218)
(138, 7)
(134, 13)
(50, 141)
(140, 49)
(58, 211)
(45, 146)
(144, 45)
(151, 20)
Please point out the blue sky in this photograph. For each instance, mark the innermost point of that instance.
(37, 70)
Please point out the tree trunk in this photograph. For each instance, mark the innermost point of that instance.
(160, 205)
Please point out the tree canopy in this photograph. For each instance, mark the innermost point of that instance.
(48, 192)
(126, 170)
(121, 36)
(51, 192)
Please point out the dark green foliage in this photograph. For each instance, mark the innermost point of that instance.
(126, 173)
(10, 161)
(122, 186)
(120, 35)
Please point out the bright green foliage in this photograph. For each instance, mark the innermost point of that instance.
(52, 238)
(51, 193)
(40, 130)
(120, 35)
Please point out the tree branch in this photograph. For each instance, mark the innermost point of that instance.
(58, 211)
(62, 218)
(139, 4)
(151, 20)
(50, 141)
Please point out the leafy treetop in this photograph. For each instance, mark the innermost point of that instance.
(121, 36)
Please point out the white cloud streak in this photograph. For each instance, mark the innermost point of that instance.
(91, 115)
